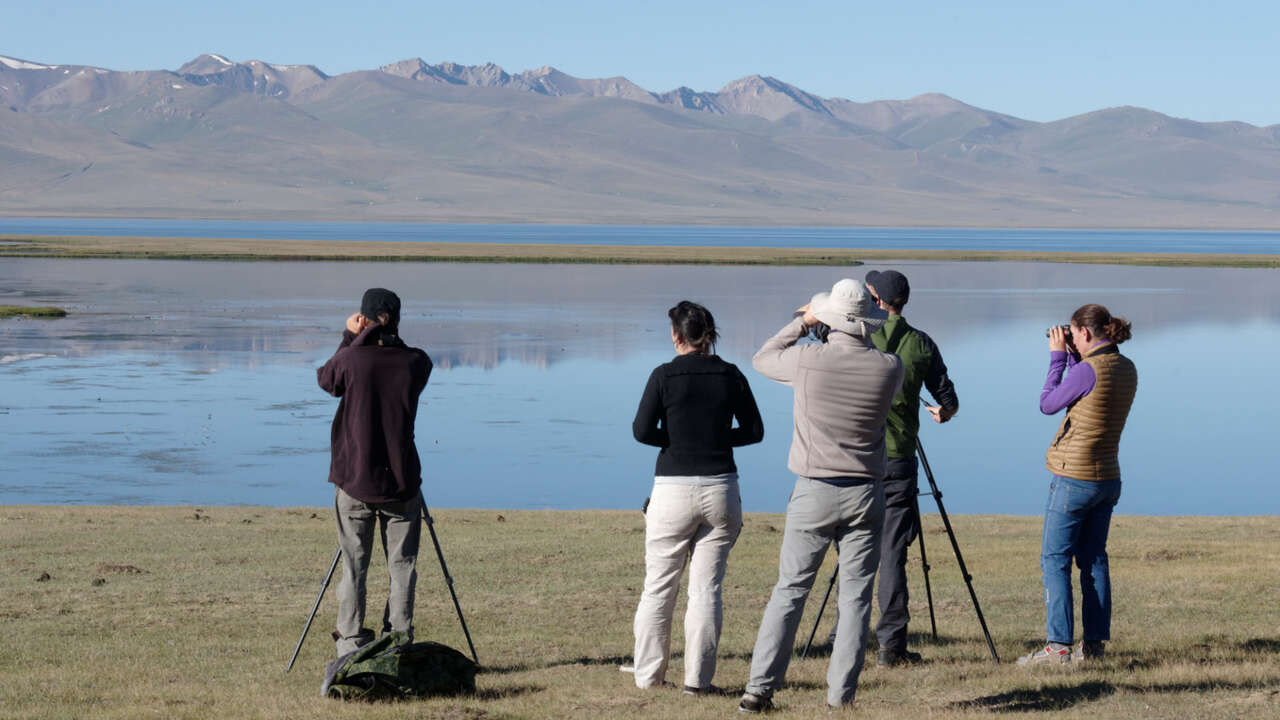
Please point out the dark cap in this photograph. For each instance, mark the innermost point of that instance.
(379, 301)
(891, 286)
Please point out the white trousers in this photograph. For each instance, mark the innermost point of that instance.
(700, 523)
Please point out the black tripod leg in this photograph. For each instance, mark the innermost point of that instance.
(924, 563)
(324, 586)
(448, 579)
(946, 522)
(804, 653)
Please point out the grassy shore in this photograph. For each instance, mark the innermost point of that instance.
(126, 612)
(295, 250)
(8, 311)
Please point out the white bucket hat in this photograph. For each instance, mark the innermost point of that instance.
(848, 308)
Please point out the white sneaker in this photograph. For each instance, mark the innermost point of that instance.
(1048, 655)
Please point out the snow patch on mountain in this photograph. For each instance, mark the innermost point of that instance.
(17, 64)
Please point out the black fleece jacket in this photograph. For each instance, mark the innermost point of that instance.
(373, 457)
(688, 408)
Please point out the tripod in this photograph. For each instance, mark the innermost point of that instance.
(936, 494)
(448, 579)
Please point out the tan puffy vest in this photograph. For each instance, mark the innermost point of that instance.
(1087, 444)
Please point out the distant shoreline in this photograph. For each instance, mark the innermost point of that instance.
(647, 223)
(219, 249)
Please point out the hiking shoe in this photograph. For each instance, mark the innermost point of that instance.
(1051, 654)
(897, 658)
(708, 690)
(755, 704)
(664, 685)
(1088, 651)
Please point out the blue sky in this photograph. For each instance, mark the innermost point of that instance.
(1036, 60)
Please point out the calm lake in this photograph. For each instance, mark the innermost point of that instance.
(190, 382)
(1175, 241)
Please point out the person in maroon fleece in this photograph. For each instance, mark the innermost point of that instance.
(374, 462)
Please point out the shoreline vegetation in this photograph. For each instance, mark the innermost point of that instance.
(29, 311)
(187, 612)
(139, 248)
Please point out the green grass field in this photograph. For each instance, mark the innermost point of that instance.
(355, 251)
(181, 612)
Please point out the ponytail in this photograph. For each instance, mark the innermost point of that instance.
(694, 325)
(1119, 330)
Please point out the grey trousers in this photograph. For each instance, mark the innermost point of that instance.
(817, 515)
(900, 525)
(401, 526)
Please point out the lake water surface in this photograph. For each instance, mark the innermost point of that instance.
(1166, 241)
(190, 382)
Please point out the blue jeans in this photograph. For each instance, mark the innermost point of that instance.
(1076, 520)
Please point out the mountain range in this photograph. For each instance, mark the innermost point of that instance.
(462, 143)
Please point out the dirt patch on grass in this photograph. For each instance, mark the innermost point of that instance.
(121, 569)
(1166, 555)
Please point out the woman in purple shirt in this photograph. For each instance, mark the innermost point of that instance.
(1097, 392)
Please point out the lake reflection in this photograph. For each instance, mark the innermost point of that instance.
(186, 382)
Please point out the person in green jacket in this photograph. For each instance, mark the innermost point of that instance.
(924, 368)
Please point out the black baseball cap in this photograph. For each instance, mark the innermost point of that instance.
(380, 301)
(890, 285)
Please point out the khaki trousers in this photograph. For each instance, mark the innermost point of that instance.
(401, 528)
(699, 523)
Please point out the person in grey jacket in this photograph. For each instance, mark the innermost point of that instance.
(843, 390)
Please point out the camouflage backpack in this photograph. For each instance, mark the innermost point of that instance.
(393, 668)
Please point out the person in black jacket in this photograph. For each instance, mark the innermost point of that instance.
(374, 462)
(695, 510)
